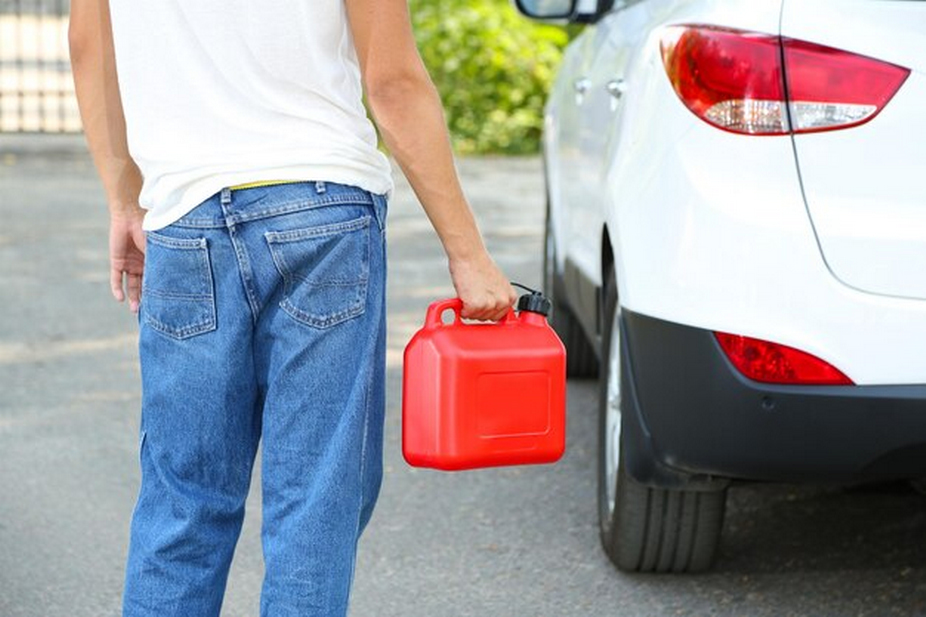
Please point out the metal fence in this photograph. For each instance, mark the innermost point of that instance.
(36, 89)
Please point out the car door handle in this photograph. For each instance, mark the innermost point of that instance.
(581, 86)
(616, 88)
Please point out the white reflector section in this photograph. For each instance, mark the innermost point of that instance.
(749, 116)
(810, 116)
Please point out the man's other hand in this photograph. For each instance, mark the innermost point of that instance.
(127, 255)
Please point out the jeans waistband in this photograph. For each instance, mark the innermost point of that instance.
(228, 207)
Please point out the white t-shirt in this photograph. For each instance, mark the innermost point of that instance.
(224, 92)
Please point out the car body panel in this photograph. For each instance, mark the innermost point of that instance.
(890, 30)
(579, 151)
(864, 186)
(708, 228)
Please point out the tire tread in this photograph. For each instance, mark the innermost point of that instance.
(666, 530)
(655, 529)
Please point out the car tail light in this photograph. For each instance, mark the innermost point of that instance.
(761, 84)
(774, 363)
(729, 78)
(829, 88)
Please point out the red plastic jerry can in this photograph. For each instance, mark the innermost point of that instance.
(484, 395)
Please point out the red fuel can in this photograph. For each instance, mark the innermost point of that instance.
(484, 395)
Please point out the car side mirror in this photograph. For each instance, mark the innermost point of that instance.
(578, 11)
(547, 9)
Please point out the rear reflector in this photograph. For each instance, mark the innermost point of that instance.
(762, 84)
(779, 364)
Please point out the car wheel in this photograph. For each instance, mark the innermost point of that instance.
(581, 360)
(645, 529)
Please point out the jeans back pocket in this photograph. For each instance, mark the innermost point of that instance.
(178, 299)
(325, 271)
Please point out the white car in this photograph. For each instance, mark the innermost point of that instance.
(736, 230)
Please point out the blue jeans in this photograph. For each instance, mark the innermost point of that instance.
(262, 318)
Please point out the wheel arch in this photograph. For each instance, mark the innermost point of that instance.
(607, 262)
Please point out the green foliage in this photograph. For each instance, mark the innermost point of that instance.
(493, 69)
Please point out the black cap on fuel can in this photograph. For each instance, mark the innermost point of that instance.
(533, 302)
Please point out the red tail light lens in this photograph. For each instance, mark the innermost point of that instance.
(761, 84)
(773, 363)
(829, 88)
(729, 78)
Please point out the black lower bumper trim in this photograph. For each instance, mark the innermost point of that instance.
(690, 419)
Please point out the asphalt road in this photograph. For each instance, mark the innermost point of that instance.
(508, 542)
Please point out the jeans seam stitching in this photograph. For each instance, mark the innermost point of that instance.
(245, 273)
(320, 231)
(175, 296)
(186, 331)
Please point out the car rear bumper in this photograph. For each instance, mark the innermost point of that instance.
(691, 420)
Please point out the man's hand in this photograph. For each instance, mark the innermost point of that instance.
(93, 63)
(485, 291)
(126, 255)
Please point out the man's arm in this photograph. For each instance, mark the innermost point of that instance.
(93, 64)
(408, 112)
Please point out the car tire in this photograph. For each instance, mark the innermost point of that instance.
(645, 529)
(581, 361)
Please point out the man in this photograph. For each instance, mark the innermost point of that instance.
(247, 199)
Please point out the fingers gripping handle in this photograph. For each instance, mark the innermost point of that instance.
(436, 309)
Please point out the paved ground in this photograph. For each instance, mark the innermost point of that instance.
(515, 542)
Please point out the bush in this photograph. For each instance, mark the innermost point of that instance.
(493, 69)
